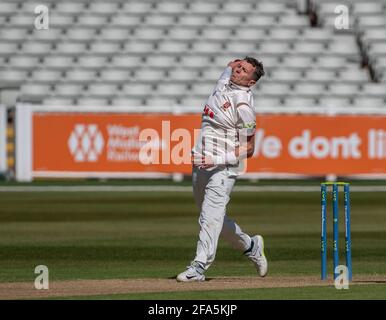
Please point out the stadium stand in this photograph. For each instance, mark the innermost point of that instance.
(167, 53)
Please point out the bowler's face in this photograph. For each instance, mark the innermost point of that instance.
(242, 74)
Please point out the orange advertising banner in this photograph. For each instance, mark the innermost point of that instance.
(285, 144)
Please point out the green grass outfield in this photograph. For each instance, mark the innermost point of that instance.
(117, 235)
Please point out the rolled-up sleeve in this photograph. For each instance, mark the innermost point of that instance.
(246, 123)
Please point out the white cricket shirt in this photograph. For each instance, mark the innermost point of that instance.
(228, 114)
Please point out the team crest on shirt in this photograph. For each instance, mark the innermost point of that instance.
(226, 105)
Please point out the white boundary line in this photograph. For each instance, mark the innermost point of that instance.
(160, 188)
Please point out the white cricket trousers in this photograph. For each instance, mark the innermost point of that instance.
(212, 193)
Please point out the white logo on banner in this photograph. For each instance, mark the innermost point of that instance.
(86, 143)
(341, 281)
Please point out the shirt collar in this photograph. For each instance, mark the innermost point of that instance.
(233, 85)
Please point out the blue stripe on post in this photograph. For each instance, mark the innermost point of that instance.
(348, 229)
(323, 245)
(335, 212)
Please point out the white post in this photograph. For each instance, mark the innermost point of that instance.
(3, 139)
(23, 143)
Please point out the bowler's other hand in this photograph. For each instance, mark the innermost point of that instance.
(233, 64)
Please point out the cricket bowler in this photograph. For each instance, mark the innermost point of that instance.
(227, 137)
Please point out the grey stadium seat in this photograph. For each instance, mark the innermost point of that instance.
(114, 34)
(58, 62)
(374, 35)
(80, 75)
(148, 33)
(57, 20)
(171, 89)
(80, 34)
(293, 21)
(226, 20)
(343, 89)
(137, 7)
(161, 61)
(320, 75)
(92, 102)
(277, 48)
(274, 89)
(369, 102)
(182, 33)
(203, 88)
(149, 75)
(23, 61)
(68, 90)
(58, 101)
(70, 7)
(354, 75)
(309, 89)
(240, 48)
(299, 102)
(138, 47)
(12, 75)
(126, 61)
(374, 89)
(193, 20)
(203, 7)
(334, 102)
(212, 74)
(124, 20)
(289, 75)
(7, 8)
(295, 61)
(255, 34)
(318, 34)
(215, 34)
(13, 34)
(137, 89)
(331, 62)
(196, 61)
(161, 102)
(8, 48)
(367, 7)
(22, 20)
(172, 47)
(206, 47)
(311, 48)
(127, 102)
(370, 21)
(159, 20)
(91, 61)
(114, 75)
(237, 7)
(106, 90)
(170, 7)
(51, 35)
(284, 34)
(274, 8)
(104, 47)
(194, 102)
(70, 48)
(103, 8)
(46, 75)
(35, 92)
(183, 74)
(260, 21)
(267, 102)
(91, 20)
(35, 48)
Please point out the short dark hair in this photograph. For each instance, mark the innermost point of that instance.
(259, 68)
